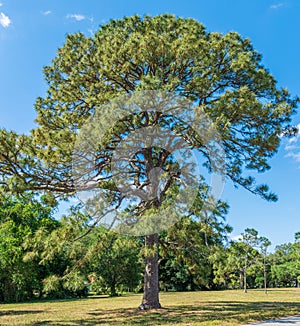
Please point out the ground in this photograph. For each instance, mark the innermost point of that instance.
(181, 308)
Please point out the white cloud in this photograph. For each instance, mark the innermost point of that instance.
(293, 146)
(4, 20)
(1, 4)
(47, 12)
(293, 139)
(295, 156)
(276, 6)
(235, 237)
(77, 17)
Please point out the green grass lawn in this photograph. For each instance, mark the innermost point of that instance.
(181, 308)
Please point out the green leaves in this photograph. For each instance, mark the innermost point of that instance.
(221, 73)
(20, 219)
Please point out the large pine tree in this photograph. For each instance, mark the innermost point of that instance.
(221, 74)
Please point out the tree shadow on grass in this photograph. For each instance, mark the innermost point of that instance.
(215, 312)
(18, 312)
(50, 300)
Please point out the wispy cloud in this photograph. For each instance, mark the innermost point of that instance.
(277, 5)
(4, 20)
(293, 146)
(235, 237)
(77, 17)
(296, 137)
(47, 12)
(295, 156)
(1, 4)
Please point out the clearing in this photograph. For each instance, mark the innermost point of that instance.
(179, 308)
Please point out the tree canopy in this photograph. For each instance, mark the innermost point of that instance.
(221, 73)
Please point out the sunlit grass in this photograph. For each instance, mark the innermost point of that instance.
(181, 308)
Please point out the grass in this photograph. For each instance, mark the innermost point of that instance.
(185, 308)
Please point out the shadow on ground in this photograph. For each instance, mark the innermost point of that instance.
(216, 313)
(18, 312)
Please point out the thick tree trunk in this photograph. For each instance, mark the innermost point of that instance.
(151, 285)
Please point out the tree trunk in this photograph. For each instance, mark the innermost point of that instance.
(113, 292)
(265, 275)
(151, 285)
(245, 281)
(241, 278)
(245, 275)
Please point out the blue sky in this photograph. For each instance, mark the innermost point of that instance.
(32, 30)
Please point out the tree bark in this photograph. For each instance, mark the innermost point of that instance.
(245, 275)
(113, 292)
(265, 275)
(241, 278)
(151, 285)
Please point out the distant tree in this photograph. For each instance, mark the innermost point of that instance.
(264, 243)
(115, 262)
(296, 247)
(284, 269)
(231, 264)
(251, 241)
(20, 218)
(223, 74)
(72, 260)
(188, 246)
(60, 258)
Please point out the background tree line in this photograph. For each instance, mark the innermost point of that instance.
(41, 257)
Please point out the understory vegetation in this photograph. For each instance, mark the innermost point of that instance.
(41, 257)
